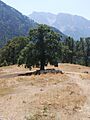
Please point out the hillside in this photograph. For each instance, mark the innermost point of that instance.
(71, 25)
(46, 96)
(12, 23)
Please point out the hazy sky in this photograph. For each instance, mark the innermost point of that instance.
(76, 7)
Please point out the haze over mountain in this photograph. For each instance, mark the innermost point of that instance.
(12, 23)
(71, 25)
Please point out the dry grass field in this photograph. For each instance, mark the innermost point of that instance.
(47, 96)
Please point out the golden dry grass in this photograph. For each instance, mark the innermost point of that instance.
(46, 96)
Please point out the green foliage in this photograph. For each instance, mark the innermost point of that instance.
(76, 51)
(10, 53)
(68, 50)
(43, 48)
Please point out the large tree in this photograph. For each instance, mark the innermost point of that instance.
(44, 48)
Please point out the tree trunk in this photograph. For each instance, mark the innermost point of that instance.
(42, 65)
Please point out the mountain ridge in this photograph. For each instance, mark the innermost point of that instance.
(13, 23)
(71, 25)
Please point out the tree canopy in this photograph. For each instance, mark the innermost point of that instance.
(44, 48)
(10, 52)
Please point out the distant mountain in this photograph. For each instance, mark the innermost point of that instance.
(12, 23)
(43, 18)
(71, 25)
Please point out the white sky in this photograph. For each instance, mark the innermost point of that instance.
(76, 7)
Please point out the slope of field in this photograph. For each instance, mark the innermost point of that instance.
(46, 96)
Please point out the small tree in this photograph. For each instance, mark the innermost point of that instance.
(42, 49)
(87, 51)
(68, 50)
(10, 52)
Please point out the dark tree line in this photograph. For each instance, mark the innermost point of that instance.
(44, 46)
(77, 52)
(10, 52)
